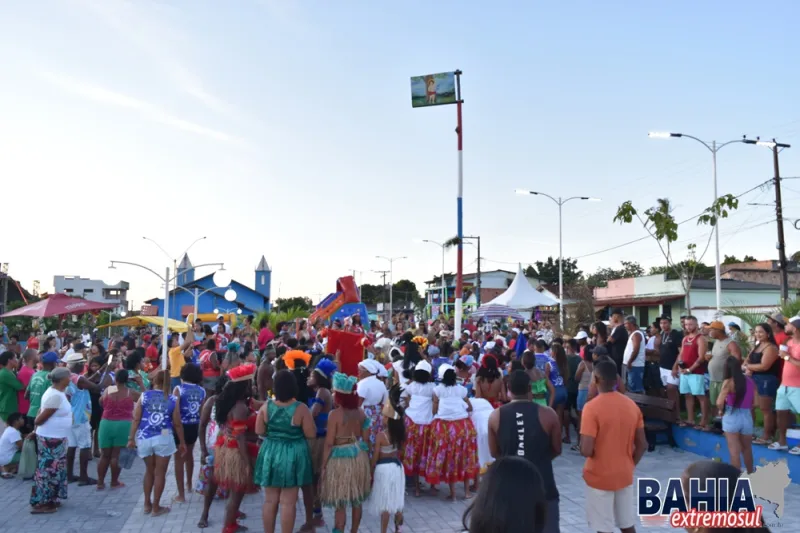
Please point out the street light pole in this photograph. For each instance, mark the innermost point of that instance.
(391, 281)
(441, 304)
(560, 202)
(713, 148)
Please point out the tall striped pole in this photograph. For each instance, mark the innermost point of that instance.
(460, 209)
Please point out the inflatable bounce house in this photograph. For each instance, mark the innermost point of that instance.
(344, 303)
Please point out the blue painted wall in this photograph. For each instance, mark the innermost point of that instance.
(249, 300)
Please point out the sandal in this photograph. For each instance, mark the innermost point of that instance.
(575, 448)
(795, 451)
(7, 475)
(44, 510)
(761, 442)
(778, 447)
(162, 511)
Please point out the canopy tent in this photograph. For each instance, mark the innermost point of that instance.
(521, 295)
(58, 305)
(493, 312)
(134, 321)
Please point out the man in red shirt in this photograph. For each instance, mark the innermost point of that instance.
(152, 351)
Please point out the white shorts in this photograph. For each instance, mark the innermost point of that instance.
(80, 436)
(667, 378)
(610, 510)
(160, 445)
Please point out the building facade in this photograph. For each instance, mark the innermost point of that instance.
(210, 297)
(649, 297)
(94, 289)
(762, 272)
(492, 284)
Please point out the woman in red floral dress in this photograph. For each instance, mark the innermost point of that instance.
(452, 455)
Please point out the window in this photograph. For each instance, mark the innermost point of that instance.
(68, 291)
(88, 290)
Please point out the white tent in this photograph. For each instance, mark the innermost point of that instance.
(521, 295)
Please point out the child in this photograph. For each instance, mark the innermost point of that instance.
(388, 489)
(736, 398)
(11, 445)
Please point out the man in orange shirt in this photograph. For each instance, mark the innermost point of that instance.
(613, 442)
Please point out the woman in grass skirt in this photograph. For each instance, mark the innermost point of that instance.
(453, 450)
(233, 469)
(419, 415)
(346, 470)
(389, 485)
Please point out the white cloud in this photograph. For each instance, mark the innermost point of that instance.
(105, 96)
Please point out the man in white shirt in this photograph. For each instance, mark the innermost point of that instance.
(221, 322)
(634, 356)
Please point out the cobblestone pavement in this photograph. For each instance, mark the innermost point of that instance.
(88, 510)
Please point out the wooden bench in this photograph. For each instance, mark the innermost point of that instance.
(659, 415)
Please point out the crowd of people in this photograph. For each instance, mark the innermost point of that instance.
(480, 408)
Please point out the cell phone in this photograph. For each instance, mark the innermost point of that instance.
(681, 364)
(112, 389)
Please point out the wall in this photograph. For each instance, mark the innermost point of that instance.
(92, 289)
(740, 298)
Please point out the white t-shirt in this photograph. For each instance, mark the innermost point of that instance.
(372, 390)
(451, 402)
(639, 361)
(8, 445)
(420, 407)
(59, 425)
(216, 326)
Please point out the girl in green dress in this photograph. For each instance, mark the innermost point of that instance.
(541, 387)
(284, 460)
(137, 377)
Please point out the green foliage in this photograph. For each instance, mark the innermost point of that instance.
(276, 317)
(24, 325)
(745, 314)
(630, 269)
(660, 224)
(372, 294)
(547, 271)
(732, 259)
(701, 270)
(296, 302)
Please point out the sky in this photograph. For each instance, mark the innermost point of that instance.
(285, 129)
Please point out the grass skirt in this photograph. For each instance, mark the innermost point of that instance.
(453, 452)
(416, 448)
(347, 477)
(231, 470)
(388, 489)
(317, 448)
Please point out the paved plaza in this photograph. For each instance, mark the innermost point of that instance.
(88, 510)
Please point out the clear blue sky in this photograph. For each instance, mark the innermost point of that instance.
(285, 128)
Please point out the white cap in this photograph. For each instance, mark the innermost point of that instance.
(468, 332)
(444, 368)
(220, 316)
(581, 335)
(489, 345)
(370, 365)
(382, 372)
(424, 366)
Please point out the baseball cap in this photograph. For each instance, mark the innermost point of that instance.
(717, 325)
(600, 350)
(581, 335)
(433, 350)
(777, 317)
(795, 321)
(50, 357)
(220, 316)
(424, 366)
(444, 368)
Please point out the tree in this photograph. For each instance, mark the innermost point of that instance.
(630, 269)
(547, 271)
(796, 256)
(296, 302)
(660, 224)
(702, 270)
(373, 294)
(732, 259)
(405, 291)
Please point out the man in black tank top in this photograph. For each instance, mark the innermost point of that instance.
(525, 429)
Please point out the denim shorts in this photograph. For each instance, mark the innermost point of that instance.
(560, 396)
(766, 384)
(160, 445)
(583, 397)
(737, 420)
(635, 382)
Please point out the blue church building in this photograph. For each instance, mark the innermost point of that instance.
(249, 301)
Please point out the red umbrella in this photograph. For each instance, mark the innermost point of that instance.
(59, 304)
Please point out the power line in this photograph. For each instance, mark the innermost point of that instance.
(679, 223)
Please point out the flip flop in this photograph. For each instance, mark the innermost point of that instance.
(162, 511)
(6, 475)
(87, 483)
(147, 511)
(761, 442)
(778, 447)
(240, 516)
(118, 485)
(101, 486)
(795, 451)
(575, 448)
(44, 510)
(202, 524)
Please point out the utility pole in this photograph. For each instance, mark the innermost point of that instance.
(478, 284)
(383, 274)
(779, 216)
(4, 281)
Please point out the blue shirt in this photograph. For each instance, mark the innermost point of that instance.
(542, 359)
(192, 397)
(81, 404)
(157, 412)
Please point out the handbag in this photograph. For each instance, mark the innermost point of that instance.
(28, 459)
(126, 457)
